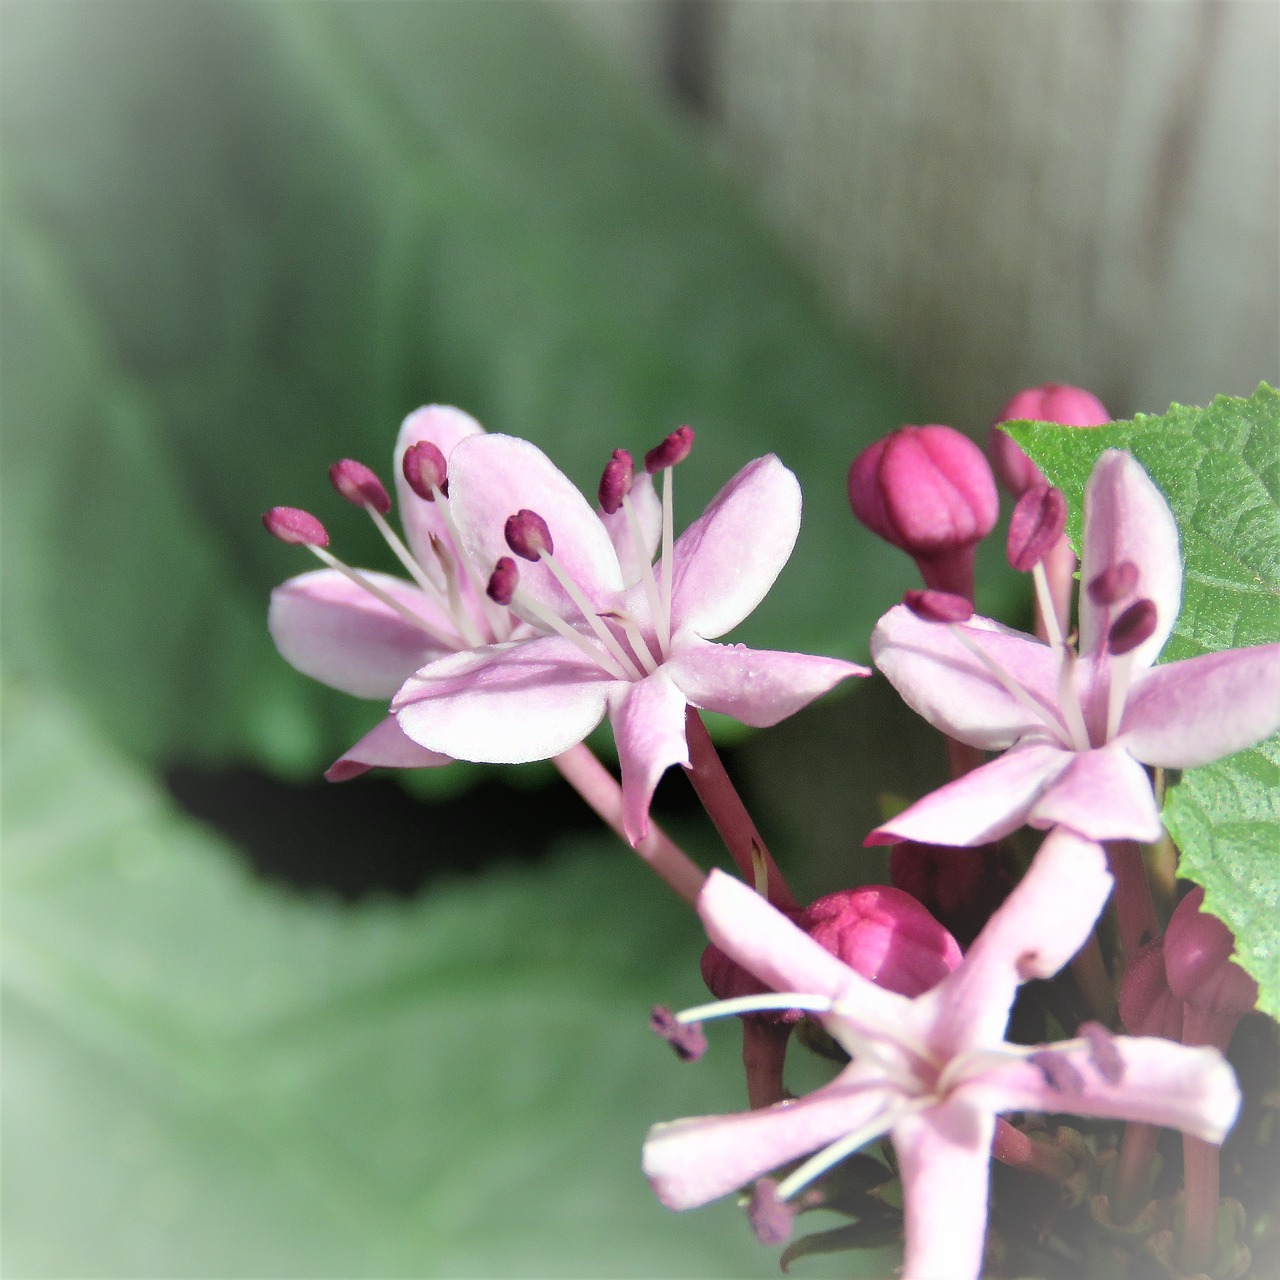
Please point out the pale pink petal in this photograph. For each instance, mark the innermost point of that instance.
(1037, 929)
(1127, 518)
(648, 727)
(756, 686)
(944, 1155)
(494, 476)
(725, 562)
(506, 704)
(336, 632)
(692, 1162)
(985, 805)
(1103, 795)
(443, 426)
(1163, 1083)
(749, 930)
(647, 507)
(942, 680)
(386, 747)
(1189, 713)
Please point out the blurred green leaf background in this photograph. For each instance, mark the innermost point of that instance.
(241, 240)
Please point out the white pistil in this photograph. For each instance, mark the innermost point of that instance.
(593, 620)
(641, 650)
(1067, 699)
(553, 622)
(1118, 691)
(414, 619)
(661, 616)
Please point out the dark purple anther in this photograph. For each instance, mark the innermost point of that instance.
(675, 448)
(938, 606)
(1113, 583)
(291, 524)
(1035, 527)
(425, 470)
(1133, 627)
(615, 483)
(1053, 402)
(770, 1216)
(686, 1038)
(527, 534)
(929, 491)
(1103, 1051)
(503, 581)
(1058, 1070)
(355, 482)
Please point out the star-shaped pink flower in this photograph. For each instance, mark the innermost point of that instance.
(1080, 728)
(638, 652)
(934, 1072)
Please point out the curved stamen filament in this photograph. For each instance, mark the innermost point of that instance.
(1118, 691)
(495, 615)
(661, 616)
(765, 1002)
(1072, 713)
(406, 557)
(553, 622)
(628, 624)
(668, 539)
(415, 619)
(593, 620)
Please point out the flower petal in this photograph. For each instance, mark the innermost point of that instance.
(443, 426)
(1188, 713)
(755, 686)
(981, 806)
(1036, 930)
(648, 726)
(725, 562)
(944, 1155)
(335, 632)
(755, 934)
(1127, 518)
(647, 507)
(494, 476)
(1103, 795)
(384, 746)
(692, 1162)
(506, 704)
(942, 680)
(1163, 1083)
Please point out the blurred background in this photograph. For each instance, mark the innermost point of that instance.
(257, 1026)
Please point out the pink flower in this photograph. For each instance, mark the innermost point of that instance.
(1080, 729)
(637, 651)
(933, 1072)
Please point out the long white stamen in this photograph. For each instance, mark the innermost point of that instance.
(628, 624)
(449, 567)
(1072, 713)
(553, 622)
(1118, 691)
(415, 619)
(592, 618)
(668, 538)
(762, 1003)
(405, 556)
(495, 615)
(661, 616)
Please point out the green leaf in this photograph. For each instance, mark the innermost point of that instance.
(1219, 469)
(204, 1076)
(243, 240)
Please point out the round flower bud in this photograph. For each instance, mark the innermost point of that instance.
(1054, 402)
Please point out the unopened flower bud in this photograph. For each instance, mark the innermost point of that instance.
(1036, 526)
(503, 581)
(425, 470)
(961, 888)
(615, 483)
(527, 535)
(929, 491)
(1215, 991)
(1053, 402)
(885, 935)
(675, 448)
(293, 525)
(727, 980)
(355, 482)
(938, 606)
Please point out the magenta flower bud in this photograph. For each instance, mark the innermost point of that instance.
(615, 483)
(1134, 626)
(885, 935)
(961, 888)
(675, 448)
(293, 525)
(503, 581)
(929, 491)
(425, 470)
(938, 606)
(1147, 1006)
(1053, 402)
(527, 534)
(355, 482)
(1198, 964)
(1036, 526)
(727, 980)
(1113, 583)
